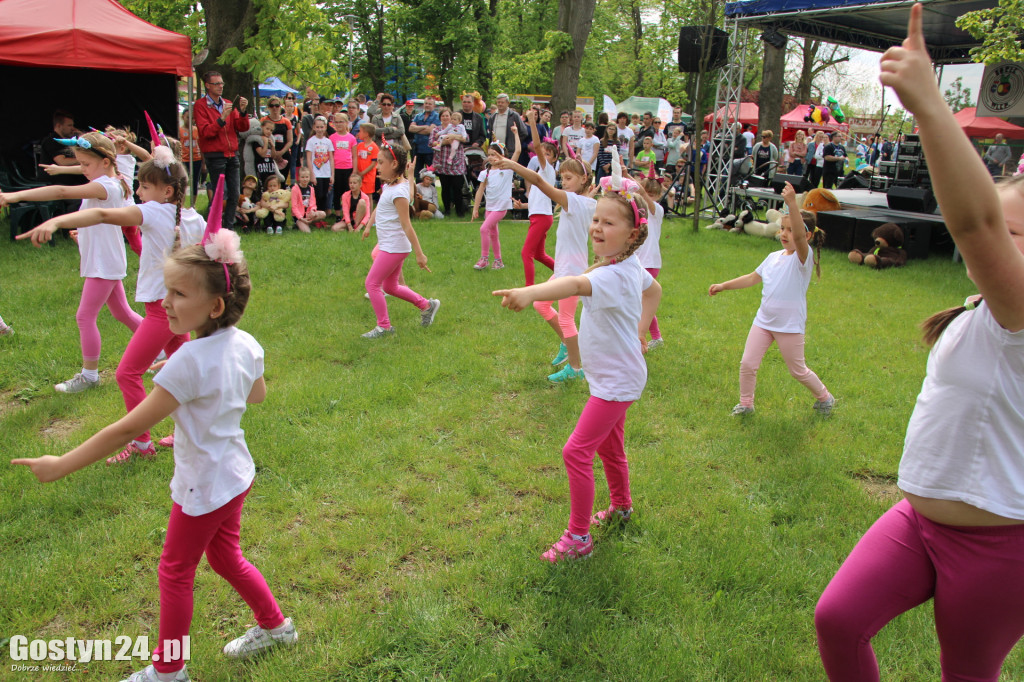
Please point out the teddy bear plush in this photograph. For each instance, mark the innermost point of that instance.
(278, 201)
(888, 251)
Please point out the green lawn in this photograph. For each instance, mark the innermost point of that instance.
(407, 486)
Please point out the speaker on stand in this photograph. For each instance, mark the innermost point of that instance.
(692, 41)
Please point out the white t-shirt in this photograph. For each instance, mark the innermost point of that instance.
(390, 235)
(573, 136)
(500, 126)
(157, 239)
(966, 435)
(539, 203)
(211, 378)
(589, 147)
(323, 152)
(624, 135)
(784, 292)
(192, 227)
(649, 252)
(572, 236)
(749, 137)
(126, 166)
(498, 192)
(101, 246)
(610, 331)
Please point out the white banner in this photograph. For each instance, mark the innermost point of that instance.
(1002, 90)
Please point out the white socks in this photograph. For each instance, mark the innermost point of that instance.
(91, 374)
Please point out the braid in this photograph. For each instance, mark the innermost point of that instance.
(177, 213)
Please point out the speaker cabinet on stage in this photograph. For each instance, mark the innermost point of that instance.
(866, 224)
(839, 227)
(917, 238)
(854, 181)
(799, 182)
(691, 48)
(912, 199)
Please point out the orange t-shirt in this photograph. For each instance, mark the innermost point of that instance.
(366, 153)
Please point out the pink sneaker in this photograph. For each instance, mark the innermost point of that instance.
(611, 514)
(132, 449)
(481, 264)
(166, 442)
(569, 547)
(497, 264)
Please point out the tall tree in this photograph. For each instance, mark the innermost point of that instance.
(999, 29)
(772, 82)
(228, 24)
(811, 65)
(575, 18)
(957, 96)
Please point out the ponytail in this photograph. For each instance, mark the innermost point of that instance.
(932, 328)
(815, 239)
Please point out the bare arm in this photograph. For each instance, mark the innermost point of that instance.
(477, 198)
(649, 306)
(531, 119)
(129, 215)
(402, 206)
(258, 392)
(552, 290)
(90, 190)
(796, 223)
(534, 178)
(739, 283)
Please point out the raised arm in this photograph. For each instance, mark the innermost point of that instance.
(534, 178)
(796, 222)
(971, 205)
(531, 120)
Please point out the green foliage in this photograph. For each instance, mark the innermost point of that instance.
(957, 96)
(180, 16)
(999, 29)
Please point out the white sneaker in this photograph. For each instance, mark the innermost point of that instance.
(270, 229)
(427, 316)
(654, 343)
(378, 332)
(824, 407)
(148, 674)
(438, 214)
(741, 410)
(76, 384)
(257, 640)
(279, 230)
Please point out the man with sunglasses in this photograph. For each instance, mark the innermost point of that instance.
(219, 123)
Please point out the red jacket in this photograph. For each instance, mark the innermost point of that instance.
(215, 134)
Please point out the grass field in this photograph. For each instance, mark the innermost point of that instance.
(406, 487)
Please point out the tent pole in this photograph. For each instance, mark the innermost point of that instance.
(191, 146)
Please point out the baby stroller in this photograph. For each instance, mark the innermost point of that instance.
(476, 160)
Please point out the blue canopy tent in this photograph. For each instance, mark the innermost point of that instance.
(275, 87)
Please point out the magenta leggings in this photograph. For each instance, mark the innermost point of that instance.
(96, 293)
(792, 348)
(599, 429)
(655, 330)
(152, 336)
(489, 234)
(383, 277)
(216, 534)
(533, 247)
(975, 575)
(566, 314)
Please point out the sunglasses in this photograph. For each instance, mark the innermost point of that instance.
(274, 106)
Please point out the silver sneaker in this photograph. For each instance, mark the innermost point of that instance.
(824, 407)
(257, 640)
(741, 410)
(378, 332)
(427, 316)
(654, 343)
(148, 674)
(76, 384)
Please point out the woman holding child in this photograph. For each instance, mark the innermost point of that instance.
(449, 141)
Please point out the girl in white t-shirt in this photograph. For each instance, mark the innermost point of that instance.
(571, 256)
(786, 274)
(650, 253)
(538, 205)
(162, 183)
(396, 238)
(320, 155)
(496, 188)
(101, 248)
(205, 386)
(619, 300)
(957, 537)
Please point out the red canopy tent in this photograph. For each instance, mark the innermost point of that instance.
(92, 58)
(986, 126)
(747, 115)
(794, 121)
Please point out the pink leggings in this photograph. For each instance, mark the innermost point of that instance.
(216, 534)
(973, 574)
(383, 277)
(599, 429)
(489, 234)
(655, 330)
(533, 247)
(566, 314)
(152, 336)
(792, 348)
(95, 293)
(134, 236)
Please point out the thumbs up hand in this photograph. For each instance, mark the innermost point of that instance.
(907, 68)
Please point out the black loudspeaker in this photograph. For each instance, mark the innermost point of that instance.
(854, 181)
(839, 227)
(799, 182)
(866, 224)
(917, 237)
(691, 48)
(912, 199)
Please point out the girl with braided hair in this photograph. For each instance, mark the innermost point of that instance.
(162, 182)
(619, 302)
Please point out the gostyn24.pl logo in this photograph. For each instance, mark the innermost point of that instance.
(121, 648)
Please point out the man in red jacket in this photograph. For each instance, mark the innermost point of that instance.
(219, 123)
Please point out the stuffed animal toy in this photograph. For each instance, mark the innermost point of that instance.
(888, 251)
(767, 229)
(820, 200)
(278, 200)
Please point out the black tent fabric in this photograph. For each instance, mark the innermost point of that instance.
(866, 24)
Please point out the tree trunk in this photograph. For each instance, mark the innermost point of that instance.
(803, 87)
(228, 24)
(770, 103)
(487, 25)
(575, 17)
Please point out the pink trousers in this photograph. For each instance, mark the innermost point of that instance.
(134, 236)
(974, 575)
(533, 247)
(600, 430)
(96, 293)
(188, 537)
(489, 234)
(655, 330)
(152, 336)
(383, 277)
(792, 348)
(566, 314)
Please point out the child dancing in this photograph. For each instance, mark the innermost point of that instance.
(538, 206)
(619, 300)
(496, 188)
(396, 238)
(650, 253)
(786, 274)
(103, 260)
(958, 536)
